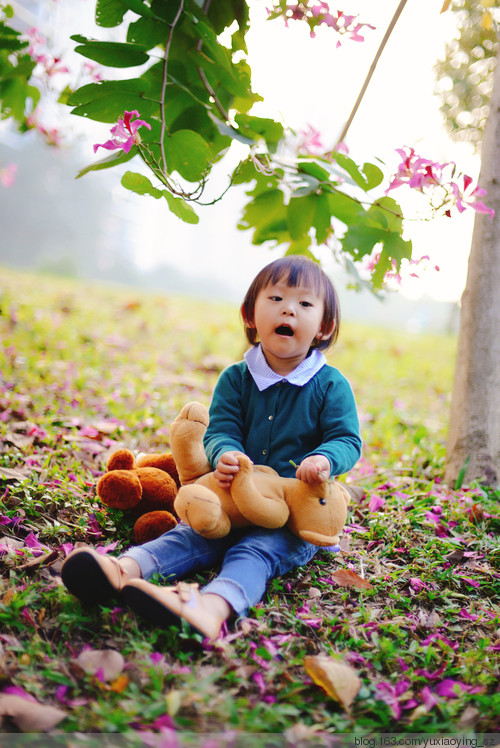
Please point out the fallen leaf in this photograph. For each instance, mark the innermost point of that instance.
(27, 714)
(313, 592)
(456, 556)
(108, 662)
(476, 514)
(35, 563)
(446, 5)
(338, 679)
(119, 684)
(13, 473)
(348, 578)
(469, 717)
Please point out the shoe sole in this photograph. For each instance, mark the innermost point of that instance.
(154, 611)
(83, 576)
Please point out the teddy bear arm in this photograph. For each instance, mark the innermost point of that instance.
(259, 498)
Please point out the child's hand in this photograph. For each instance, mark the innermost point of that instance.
(226, 468)
(314, 469)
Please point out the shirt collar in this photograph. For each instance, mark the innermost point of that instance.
(265, 377)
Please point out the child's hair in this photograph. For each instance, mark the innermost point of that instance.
(295, 270)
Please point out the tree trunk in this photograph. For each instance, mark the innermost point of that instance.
(474, 432)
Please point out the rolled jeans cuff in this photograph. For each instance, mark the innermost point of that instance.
(146, 560)
(232, 592)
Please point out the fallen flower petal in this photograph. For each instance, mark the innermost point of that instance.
(29, 715)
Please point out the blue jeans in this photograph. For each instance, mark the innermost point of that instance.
(250, 557)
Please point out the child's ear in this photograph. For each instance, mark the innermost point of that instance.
(324, 333)
(247, 322)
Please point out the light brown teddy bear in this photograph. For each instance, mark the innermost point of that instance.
(146, 488)
(258, 495)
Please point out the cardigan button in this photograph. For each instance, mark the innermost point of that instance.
(264, 451)
(270, 418)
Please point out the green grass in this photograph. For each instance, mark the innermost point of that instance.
(85, 369)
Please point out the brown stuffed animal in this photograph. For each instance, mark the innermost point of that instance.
(146, 487)
(258, 495)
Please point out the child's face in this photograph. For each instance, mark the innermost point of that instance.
(287, 319)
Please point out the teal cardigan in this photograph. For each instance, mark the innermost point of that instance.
(284, 422)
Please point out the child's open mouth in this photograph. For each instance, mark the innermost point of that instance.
(284, 330)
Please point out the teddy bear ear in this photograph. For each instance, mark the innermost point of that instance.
(122, 459)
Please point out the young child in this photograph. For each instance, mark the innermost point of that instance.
(282, 404)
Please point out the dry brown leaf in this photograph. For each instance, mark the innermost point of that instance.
(27, 714)
(14, 473)
(348, 578)
(35, 563)
(339, 680)
(446, 5)
(108, 662)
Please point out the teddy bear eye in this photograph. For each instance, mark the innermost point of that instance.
(322, 502)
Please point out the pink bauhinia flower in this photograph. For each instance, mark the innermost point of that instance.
(310, 140)
(426, 176)
(125, 133)
(318, 14)
(8, 175)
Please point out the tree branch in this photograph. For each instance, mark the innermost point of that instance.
(368, 78)
(164, 82)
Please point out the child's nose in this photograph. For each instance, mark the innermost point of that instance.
(288, 309)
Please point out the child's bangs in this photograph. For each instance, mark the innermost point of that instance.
(295, 274)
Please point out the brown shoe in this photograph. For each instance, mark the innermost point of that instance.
(93, 577)
(167, 606)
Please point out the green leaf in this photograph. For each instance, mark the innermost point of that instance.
(109, 13)
(361, 238)
(314, 169)
(301, 247)
(230, 131)
(344, 207)
(14, 93)
(188, 154)
(150, 32)
(108, 109)
(112, 54)
(370, 177)
(257, 128)
(388, 213)
(137, 6)
(300, 215)
(224, 12)
(180, 208)
(383, 265)
(322, 220)
(267, 215)
(102, 89)
(141, 185)
(106, 163)
(10, 38)
(397, 247)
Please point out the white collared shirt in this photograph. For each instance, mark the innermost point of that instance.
(265, 377)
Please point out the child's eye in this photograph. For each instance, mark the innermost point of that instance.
(275, 298)
(305, 303)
